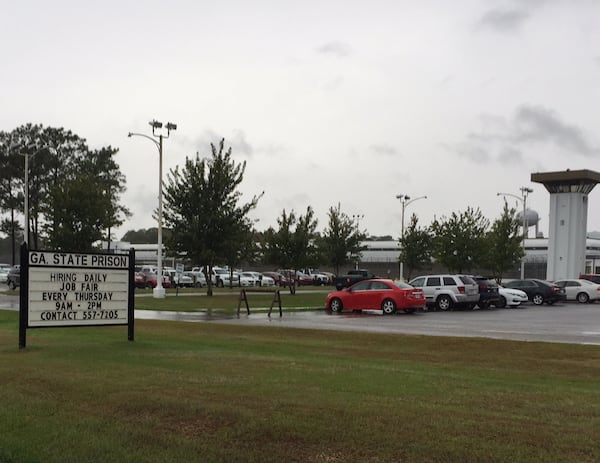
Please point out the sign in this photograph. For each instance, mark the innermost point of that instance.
(70, 289)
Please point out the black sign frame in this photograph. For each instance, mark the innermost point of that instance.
(24, 294)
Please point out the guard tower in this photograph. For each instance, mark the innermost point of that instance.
(568, 220)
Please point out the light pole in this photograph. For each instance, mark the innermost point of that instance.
(357, 217)
(158, 291)
(523, 198)
(405, 201)
(26, 192)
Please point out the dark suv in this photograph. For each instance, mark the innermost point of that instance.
(539, 291)
(488, 292)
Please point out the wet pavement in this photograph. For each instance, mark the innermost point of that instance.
(568, 322)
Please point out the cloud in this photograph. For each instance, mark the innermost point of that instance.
(384, 150)
(237, 141)
(335, 48)
(541, 125)
(504, 20)
(505, 140)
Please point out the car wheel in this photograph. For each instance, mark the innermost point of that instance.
(388, 307)
(501, 302)
(149, 285)
(12, 285)
(583, 298)
(443, 302)
(220, 283)
(336, 305)
(537, 299)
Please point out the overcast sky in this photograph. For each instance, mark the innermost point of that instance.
(328, 101)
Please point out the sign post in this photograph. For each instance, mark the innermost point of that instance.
(61, 289)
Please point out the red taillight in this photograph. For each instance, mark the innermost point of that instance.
(461, 289)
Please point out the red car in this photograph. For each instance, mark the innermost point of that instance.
(151, 281)
(377, 294)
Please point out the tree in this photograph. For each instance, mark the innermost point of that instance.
(415, 247)
(11, 168)
(458, 240)
(60, 166)
(203, 208)
(293, 245)
(85, 204)
(340, 240)
(503, 244)
(142, 236)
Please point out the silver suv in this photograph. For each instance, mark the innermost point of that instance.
(443, 292)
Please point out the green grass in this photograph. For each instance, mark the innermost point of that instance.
(230, 299)
(186, 392)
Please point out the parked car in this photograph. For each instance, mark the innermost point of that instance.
(594, 277)
(353, 276)
(13, 279)
(444, 292)
(180, 280)
(140, 280)
(198, 278)
(151, 281)
(377, 294)
(259, 279)
(511, 297)
(300, 278)
(318, 277)
(4, 269)
(279, 278)
(539, 291)
(580, 290)
(488, 292)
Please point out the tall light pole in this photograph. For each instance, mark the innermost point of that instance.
(158, 291)
(405, 201)
(26, 192)
(523, 198)
(357, 217)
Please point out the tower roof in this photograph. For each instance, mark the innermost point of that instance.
(568, 181)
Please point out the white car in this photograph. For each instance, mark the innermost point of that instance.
(582, 291)
(4, 268)
(197, 277)
(259, 278)
(511, 297)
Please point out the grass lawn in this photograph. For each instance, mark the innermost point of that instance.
(187, 392)
(224, 298)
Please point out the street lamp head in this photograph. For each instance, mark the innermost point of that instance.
(155, 124)
(129, 134)
(526, 190)
(171, 126)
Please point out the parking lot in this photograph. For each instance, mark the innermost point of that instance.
(564, 322)
(567, 322)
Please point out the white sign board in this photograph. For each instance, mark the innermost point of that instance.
(77, 289)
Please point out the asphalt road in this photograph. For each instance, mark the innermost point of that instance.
(566, 322)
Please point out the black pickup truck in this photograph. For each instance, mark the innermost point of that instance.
(353, 276)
